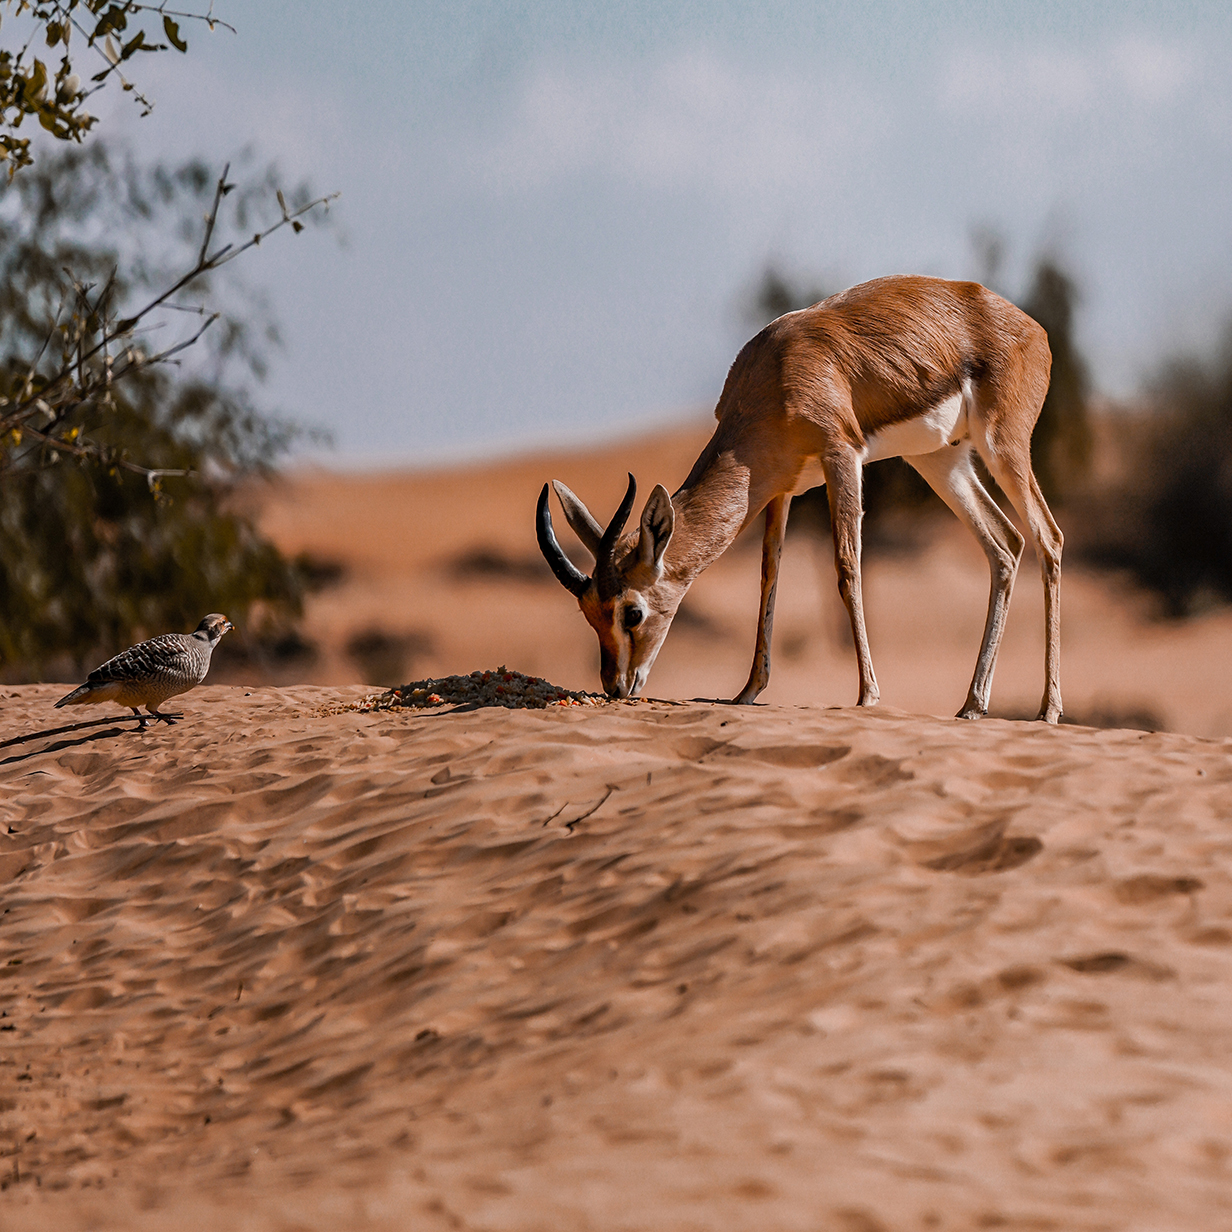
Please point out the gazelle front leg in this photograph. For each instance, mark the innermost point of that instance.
(771, 551)
(844, 479)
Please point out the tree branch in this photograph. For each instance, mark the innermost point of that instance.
(100, 350)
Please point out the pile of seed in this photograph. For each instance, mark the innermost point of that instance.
(499, 687)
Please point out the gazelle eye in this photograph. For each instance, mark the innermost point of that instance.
(633, 617)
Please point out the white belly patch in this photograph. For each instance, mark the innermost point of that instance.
(811, 476)
(943, 424)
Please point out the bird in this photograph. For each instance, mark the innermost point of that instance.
(152, 671)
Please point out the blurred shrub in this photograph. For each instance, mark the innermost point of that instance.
(385, 658)
(485, 562)
(92, 555)
(1168, 517)
(777, 294)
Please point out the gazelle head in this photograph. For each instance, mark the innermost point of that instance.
(628, 600)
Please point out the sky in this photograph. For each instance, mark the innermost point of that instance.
(553, 215)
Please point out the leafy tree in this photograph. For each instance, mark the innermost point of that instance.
(119, 463)
(111, 32)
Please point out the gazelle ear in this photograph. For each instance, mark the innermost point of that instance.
(658, 521)
(579, 518)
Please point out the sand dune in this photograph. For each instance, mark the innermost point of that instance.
(649, 966)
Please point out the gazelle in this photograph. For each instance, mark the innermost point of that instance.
(909, 367)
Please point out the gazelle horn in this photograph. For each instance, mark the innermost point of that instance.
(607, 545)
(567, 573)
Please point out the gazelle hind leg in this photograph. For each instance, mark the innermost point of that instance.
(1009, 460)
(843, 469)
(771, 552)
(951, 474)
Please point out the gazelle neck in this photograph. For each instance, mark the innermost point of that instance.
(712, 508)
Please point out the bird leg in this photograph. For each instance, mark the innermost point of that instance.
(169, 719)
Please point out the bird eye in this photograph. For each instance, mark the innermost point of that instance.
(633, 617)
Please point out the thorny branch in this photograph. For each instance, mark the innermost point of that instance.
(97, 351)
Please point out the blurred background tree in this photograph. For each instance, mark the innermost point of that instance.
(1166, 515)
(120, 464)
(1062, 443)
(118, 510)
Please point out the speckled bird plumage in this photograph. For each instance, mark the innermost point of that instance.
(153, 671)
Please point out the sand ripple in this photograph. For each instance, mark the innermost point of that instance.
(656, 967)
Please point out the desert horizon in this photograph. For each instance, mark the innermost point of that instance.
(419, 562)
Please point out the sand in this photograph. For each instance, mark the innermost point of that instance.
(667, 965)
(660, 966)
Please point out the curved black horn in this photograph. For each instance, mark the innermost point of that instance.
(608, 543)
(567, 573)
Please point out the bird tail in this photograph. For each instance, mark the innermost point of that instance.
(83, 695)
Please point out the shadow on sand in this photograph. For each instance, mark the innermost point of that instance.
(97, 729)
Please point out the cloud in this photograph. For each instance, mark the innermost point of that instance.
(1046, 81)
(591, 214)
(690, 120)
(203, 105)
(1155, 71)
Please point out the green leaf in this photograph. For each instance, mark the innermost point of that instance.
(173, 33)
